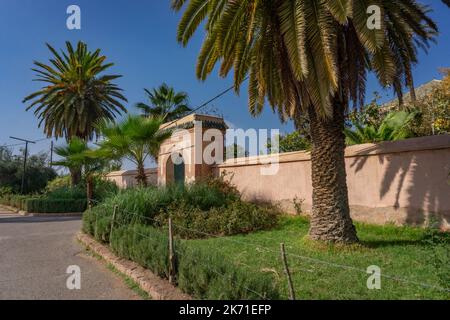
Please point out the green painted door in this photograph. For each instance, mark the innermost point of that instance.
(179, 173)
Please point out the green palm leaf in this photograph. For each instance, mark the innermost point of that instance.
(78, 95)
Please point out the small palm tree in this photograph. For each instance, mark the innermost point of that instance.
(72, 156)
(165, 102)
(136, 139)
(76, 95)
(79, 158)
(396, 126)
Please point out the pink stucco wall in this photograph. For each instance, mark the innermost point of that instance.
(403, 182)
(127, 178)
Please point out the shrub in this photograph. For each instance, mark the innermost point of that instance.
(201, 271)
(58, 183)
(16, 201)
(4, 191)
(145, 245)
(205, 274)
(89, 222)
(155, 206)
(104, 189)
(149, 203)
(236, 218)
(60, 188)
(64, 193)
(44, 205)
(439, 248)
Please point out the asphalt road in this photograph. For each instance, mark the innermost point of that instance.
(35, 254)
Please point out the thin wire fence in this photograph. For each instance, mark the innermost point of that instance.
(210, 268)
(266, 250)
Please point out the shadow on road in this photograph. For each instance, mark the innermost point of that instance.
(21, 219)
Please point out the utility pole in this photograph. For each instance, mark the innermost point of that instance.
(51, 154)
(22, 189)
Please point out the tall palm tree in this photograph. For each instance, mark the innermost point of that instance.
(76, 95)
(136, 139)
(311, 57)
(165, 102)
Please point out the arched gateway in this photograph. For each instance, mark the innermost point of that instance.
(181, 157)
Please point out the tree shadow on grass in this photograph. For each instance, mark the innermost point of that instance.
(373, 244)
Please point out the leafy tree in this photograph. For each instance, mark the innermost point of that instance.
(76, 94)
(396, 126)
(291, 142)
(37, 172)
(136, 139)
(433, 110)
(166, 103)
(234, 151)
(308, 56)
(368, 115)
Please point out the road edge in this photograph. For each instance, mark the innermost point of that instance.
(157, 288)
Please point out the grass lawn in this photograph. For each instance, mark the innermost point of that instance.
(400, 252)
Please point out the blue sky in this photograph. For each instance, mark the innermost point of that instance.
(139, 37)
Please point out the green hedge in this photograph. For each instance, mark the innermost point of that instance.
(144, 245)
(16, 201)
(196, 210)
(55, 206)
(44, 205)
(202, 272)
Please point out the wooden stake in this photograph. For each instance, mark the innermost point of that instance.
(112, 222)
(171, 255)
(288, 273)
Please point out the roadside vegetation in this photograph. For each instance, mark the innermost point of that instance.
(228, 253)
(11, 169)
(208, 208)
(60, 197)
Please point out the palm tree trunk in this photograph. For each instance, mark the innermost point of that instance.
(331, 219)
(89, 188)
(141, 176)
(75, 176)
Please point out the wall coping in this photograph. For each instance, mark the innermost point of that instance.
(370, 149)
(123, 173)
(191, 118)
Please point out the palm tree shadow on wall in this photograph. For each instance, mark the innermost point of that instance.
(417, 192)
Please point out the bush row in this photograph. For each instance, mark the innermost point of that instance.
(55, 206)
(43, 204)
(197, 210)
(12, 200)
(59, 197)
(60, 188)
(201, 272)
